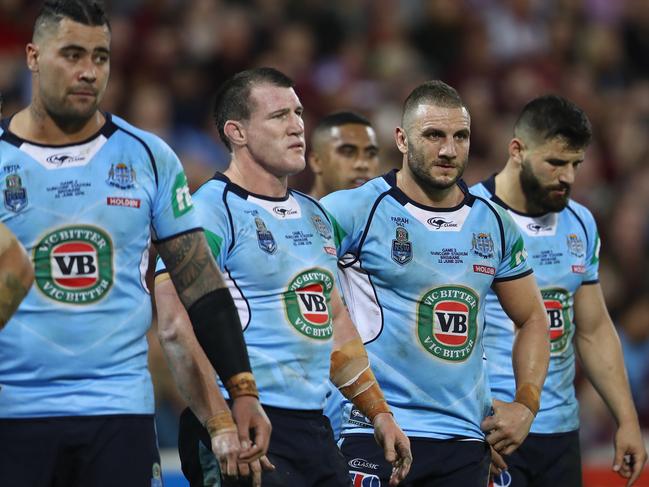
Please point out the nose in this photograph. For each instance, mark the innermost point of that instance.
(362, 162)
(567, 174)
(296, 127)
(448, 149)
(88, 71)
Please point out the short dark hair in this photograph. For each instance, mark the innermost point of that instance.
(87, 12)
(434, 92)
(341, 118)
(550, 116)
(232, 101)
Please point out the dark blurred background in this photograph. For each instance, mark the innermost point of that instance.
(169, 56)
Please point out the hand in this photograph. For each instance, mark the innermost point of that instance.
(251, 418)
(630, 453)
(395, 444)
(255, 467)
(497, 463)
(226, 448)
(508, 427)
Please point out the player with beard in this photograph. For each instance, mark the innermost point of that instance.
(344, 153)
(417, 255)
(550, 139)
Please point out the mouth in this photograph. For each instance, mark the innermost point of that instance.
(297, 146)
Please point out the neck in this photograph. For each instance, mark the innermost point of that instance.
(509, 190)
(35, 124)
(251, 176)
(427, 196)
(318, 191)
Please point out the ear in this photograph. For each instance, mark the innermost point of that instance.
(315, 163)
(401, 138)
(31, 51)
(235, 133)
(516, 148)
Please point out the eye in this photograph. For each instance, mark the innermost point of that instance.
(101, 58)
(462, 136)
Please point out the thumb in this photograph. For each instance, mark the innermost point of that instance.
(497, 403)
(388, 451)
(618, 459)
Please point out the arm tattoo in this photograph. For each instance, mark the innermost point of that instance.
(191, 266)
(12, 292)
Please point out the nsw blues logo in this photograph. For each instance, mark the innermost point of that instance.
(320, 227)
(401, 247)
(121, 176)
(483, 245)
(264, 237)
(15, 195)
(575, 245)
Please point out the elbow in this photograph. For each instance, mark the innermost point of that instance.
(170, 331)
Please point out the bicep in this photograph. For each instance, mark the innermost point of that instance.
(520, 298)
(590, 309)
(343, 326)
(191, 266)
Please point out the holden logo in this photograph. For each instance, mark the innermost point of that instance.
(60, 159)
(283, 212)
(438, 222)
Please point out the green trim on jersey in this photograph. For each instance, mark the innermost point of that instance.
(519, 254)
(598, 245)
(215, 242)
(339, 233)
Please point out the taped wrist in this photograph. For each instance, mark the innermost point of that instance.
(350, 372)
(217, 327)
(242, 384)
(221, 422)
(529, 396)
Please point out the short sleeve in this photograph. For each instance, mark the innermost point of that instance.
(513, 264)
(347, 219)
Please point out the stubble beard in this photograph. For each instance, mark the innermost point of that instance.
(421, 172)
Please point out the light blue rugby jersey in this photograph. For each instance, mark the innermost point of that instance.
(563, 249)
(86, 214)
(279, 262)
(414, 279)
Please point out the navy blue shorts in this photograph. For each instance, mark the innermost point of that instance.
(552, 460)
(302, 448)
(436, 463)
(81, 451)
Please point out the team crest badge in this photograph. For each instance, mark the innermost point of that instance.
(483, 245)
(264, 237)
(401, 247)
(121, 176)
(15, 194)
(306, 303)
(557, 305)
(321, 227)
(447, 322)
(575, 245)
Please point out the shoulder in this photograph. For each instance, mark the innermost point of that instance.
(480, 189)
(358, 200)
(580, 211)
(149, 140)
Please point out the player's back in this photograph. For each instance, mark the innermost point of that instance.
(85, 212)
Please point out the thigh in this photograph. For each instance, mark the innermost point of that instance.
(366, 464)
(563, 461)
(445, 463)
(29, 452)
(120, 450)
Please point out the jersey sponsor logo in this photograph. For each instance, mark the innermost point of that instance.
(284, 211)
(181, 200)
(519, 254)
(360, 479)
(438, 222)
(74, 264)
(265, 238)
(579, 269)
(575, 245)
(504, 479)
(15, 195)
(307, 303)
(321, 227)
(330, 250)
(362, 463)
(557, 306)
(536, 228)
(482, 245)
(357, 418)
(447, 322)
(401, 247)
(484, 269)
(121, 176)
(60, 159)
(119, 201)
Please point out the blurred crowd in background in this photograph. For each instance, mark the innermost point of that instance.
(169, 56)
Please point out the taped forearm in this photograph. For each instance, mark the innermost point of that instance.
(350, 372)
(217, 327)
